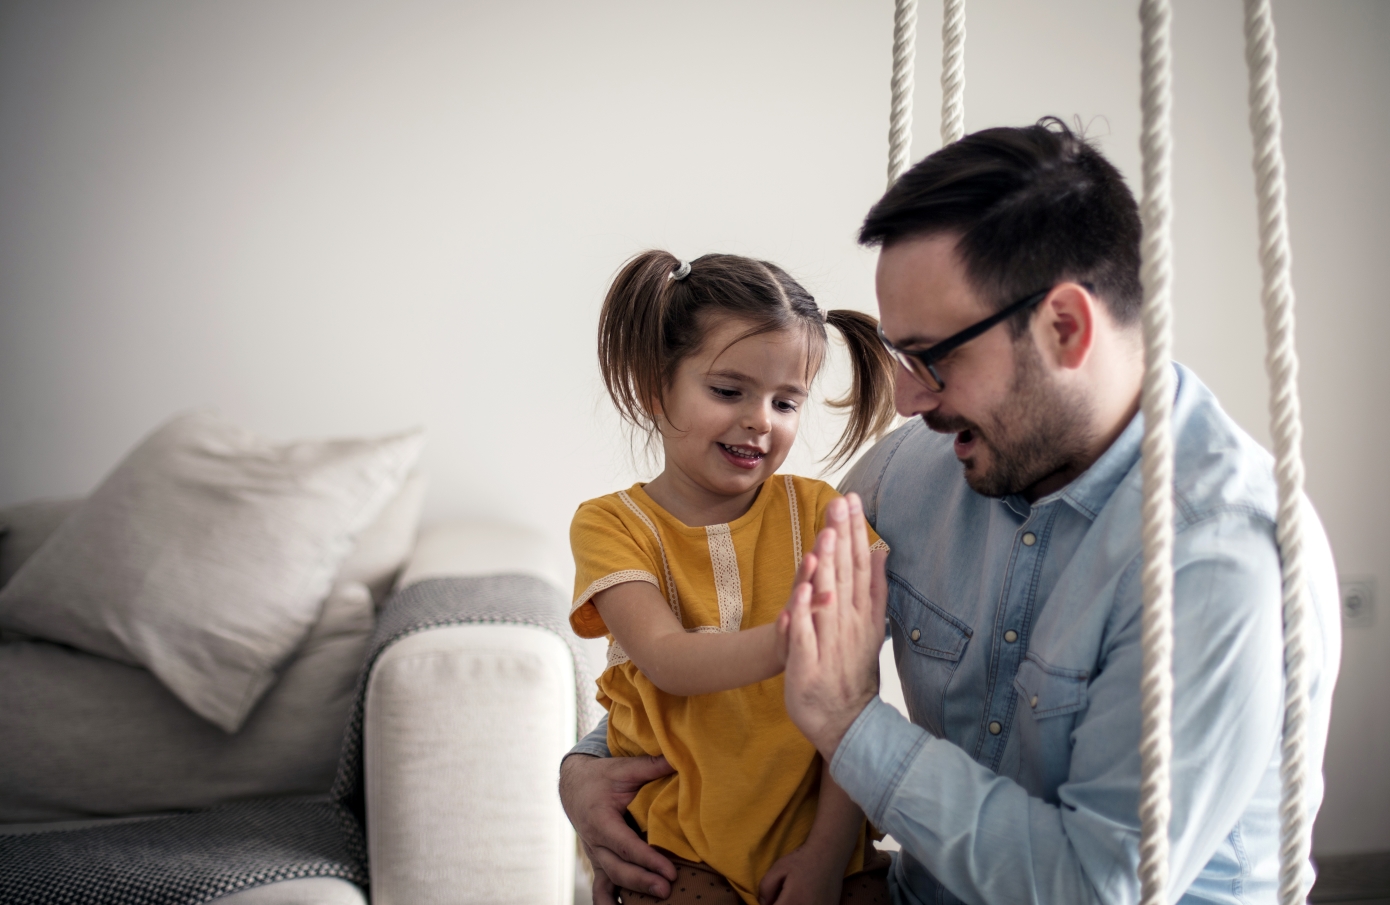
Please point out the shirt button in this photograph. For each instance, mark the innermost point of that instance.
(1011, 636)
(1034, 703)
(995, 728)
(1029, 539)
(915, 635)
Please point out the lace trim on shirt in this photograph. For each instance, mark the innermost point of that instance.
(726, 581)
(671, 595)
(879, 544)
(611, 579)
(616, 655)
(796, 520)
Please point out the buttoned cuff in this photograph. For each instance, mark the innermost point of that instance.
(873, 756)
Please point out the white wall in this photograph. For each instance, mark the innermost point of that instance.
(348, 217)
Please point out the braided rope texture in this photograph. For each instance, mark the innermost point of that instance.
(952, 71)
(1156, 685)
(1281, 363)
(900, 113)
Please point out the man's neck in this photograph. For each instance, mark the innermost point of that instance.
(1114, 383)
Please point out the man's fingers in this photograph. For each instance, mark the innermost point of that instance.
(630, 876)
(605, 893)
(823, 579)
(859, 552)
(638, 853)
(878, 586)
(837, 517)
(638, 771)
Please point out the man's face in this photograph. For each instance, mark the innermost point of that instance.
(1015, 424)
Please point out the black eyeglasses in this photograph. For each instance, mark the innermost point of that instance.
(922, 365)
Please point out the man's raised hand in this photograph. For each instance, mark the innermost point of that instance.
(834, 626)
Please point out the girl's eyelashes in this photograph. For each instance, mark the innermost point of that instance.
(728, 394)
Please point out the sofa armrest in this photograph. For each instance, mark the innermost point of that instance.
(470, 549)
(464, 729)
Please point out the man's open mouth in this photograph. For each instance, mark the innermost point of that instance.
(965, 443)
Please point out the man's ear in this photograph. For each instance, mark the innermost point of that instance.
(1067, 322)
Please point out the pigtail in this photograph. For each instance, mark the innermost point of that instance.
(870, 397)
(631, 330)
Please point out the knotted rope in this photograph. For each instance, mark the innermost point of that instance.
(900, 114)
(1281, 363)
(952, 71)
(1156, 686)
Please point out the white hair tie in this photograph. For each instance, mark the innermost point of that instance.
(680, 272)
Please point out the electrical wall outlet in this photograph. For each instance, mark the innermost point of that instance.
(1358, 601)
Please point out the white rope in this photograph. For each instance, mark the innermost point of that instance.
(1156, 686)
(1281, 363)
(900, 115)
(952, 71)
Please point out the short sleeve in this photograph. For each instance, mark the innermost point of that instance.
(605, 554)
(828, 493)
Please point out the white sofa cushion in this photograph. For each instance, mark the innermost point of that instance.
(84, 735)
(205, 556)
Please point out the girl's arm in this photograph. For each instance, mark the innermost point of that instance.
(814, 873)
(680, 662)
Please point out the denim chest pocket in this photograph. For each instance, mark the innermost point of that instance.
(928, 645)
(1049, 702)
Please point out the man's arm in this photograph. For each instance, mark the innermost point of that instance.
(595, 790)
(985, 839)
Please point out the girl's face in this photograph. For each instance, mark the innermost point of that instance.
(732, 411)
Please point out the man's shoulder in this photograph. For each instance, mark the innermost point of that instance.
(1218, 467)
(910, 468)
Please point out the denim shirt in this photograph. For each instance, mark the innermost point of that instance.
(1016, 630)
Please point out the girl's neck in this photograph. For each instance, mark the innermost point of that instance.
(696, 506)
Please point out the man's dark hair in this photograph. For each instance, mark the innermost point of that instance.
(1033, 206)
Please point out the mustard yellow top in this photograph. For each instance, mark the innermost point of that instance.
(744, 791)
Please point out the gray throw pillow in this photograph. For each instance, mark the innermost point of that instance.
(26, 527)
(206, 555)
(85, 736)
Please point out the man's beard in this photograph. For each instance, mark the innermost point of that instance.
(1037, 431)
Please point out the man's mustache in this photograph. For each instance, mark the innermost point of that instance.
(948, 424)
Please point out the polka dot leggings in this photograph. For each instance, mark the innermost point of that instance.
(696, 884)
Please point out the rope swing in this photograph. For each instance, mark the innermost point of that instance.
(1286, 426)
(1156, 400)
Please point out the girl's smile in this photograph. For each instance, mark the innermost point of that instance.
(730, 416)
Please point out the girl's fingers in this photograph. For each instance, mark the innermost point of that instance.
(802, 654)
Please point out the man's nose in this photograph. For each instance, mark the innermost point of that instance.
(910, 396)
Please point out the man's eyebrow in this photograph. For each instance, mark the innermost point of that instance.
(740, 377)
(909, 341)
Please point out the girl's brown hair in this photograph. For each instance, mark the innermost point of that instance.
(651, 321)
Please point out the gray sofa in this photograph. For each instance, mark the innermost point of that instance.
(462, 725)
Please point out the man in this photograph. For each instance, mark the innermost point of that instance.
(1008, 291)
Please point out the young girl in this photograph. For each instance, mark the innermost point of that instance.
(686, 574)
